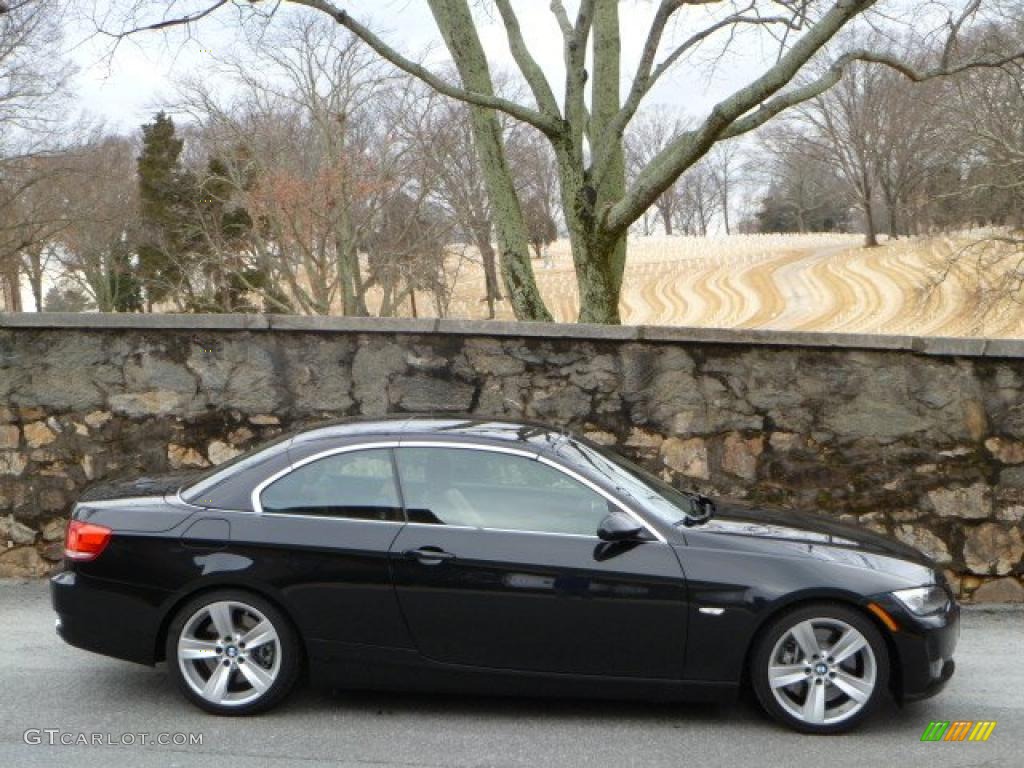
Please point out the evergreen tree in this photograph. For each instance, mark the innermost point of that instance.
(166, 194)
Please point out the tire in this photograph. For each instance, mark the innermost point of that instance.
(824, 696)
(233, 653)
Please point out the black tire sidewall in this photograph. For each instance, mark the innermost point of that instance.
(776, 628)
(291, 655)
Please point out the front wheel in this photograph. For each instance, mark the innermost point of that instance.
(821, 668)
(232, 653)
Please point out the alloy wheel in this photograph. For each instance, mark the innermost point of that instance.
(229, 653)
(822, 671)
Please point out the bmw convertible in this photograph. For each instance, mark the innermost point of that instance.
(474, 555)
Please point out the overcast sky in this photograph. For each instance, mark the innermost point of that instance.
(126, 87)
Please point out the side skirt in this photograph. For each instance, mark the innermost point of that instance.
(372, 668)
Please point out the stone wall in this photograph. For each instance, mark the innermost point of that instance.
(921, 438)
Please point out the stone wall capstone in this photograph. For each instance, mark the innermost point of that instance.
(920, 438)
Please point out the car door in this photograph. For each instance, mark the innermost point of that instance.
(500, 566)
(321, 535)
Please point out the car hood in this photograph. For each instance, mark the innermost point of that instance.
(786, 525)
(145, 486)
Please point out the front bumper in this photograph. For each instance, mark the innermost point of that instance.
(105, 617)
(924, 647)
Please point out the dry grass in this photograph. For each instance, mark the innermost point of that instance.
(790, 282)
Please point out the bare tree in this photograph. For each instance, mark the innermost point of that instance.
(33, 77)
(94, 248)
(587, 134)
(800, 193)
(725, 161)
(304, 152)
(441, 132)
(648, 135)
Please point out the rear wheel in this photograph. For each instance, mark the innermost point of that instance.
(232, 653)
(821, 668)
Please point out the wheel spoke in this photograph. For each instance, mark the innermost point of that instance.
(220, 615)
(217, 684)
(850, 643)
(258, 677)
(194, 649)
(803, 633)
(262, 633)
(854, 687)
(814, 706)
(786, 674)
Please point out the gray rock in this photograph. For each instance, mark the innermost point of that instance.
(868, 416)
(420, 392)
(565, 404)
(10, 436)
(318, 376)
(1005, 590)
(991, 548)
(12, 463)
(688, 456)
(155, 403)
(372, 367)
(925, 541)
(971, 503)
(22, 563)
(12, 530)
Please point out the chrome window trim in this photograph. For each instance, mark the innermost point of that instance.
(331, 518)
(534, 455)
(598, 489)
(255, 496)
(419, 443)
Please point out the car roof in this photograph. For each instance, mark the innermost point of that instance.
(405, 426)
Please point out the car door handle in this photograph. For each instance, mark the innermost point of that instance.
(428, 555)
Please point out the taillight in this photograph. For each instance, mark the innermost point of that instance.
(85, 541)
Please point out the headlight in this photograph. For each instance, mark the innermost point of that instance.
(923, 601)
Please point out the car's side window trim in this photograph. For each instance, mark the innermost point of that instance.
(392, 444)
(543, 460)
(258, 490)
(617, 503)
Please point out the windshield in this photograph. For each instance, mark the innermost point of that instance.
(669, 504)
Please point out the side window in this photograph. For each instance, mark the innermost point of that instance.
(487, 489)
(356, 484)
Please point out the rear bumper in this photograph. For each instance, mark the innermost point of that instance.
(924, 649)
(105, 617)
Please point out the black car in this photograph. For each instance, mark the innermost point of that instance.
(470, 555)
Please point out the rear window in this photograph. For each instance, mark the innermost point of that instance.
(203, 485)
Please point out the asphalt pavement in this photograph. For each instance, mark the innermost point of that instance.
(50, 692)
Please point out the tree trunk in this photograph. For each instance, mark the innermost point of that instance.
(870, 232)
(591, 255)
(455, 22)
(412, 297)
(353, 300)
(666, 218)
(32, 263)
(11, 290)
(605, 97)
(725, 207)
(482, 238)
(891, 210)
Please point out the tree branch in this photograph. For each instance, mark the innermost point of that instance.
(541, 122)
(645, 78)
(574, 47)
(678, 155)
(534, 75)
(771, 108)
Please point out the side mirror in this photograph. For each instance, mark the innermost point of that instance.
(619, 527)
